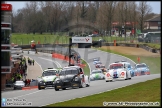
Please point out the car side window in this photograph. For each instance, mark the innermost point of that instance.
(80, 70)
(62, 72)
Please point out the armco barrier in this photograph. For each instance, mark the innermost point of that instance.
(33, 85)
(62, 48)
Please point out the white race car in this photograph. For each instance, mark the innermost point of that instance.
(48, 78)
(129, 67)
(117, 71)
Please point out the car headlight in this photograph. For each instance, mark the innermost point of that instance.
(41, 81)
(58, 81)
(76, 79)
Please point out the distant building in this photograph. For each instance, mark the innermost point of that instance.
(153, 24)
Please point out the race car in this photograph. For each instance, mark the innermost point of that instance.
(48, 78)
(71, 77)
(97, 74)
(117, 71)
(141, 69)
(102, 67)
(128, 67)
(96, 60)
(98, 63)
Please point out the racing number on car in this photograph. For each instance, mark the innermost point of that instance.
(108, 75)
(122, 74)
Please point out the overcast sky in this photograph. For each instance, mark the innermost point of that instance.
(156, 5)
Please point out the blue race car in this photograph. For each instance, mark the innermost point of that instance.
(95, 61)
(141, 69)
(128, 67)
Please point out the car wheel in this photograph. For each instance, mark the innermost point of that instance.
(87, 85)
(107, 81)
(14, 88)
(56, 89)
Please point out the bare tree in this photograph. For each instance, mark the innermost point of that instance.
(108, 9)
(56, 15)
(126, 14)
(143, 10)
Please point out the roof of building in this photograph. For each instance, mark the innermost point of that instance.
(155, 18)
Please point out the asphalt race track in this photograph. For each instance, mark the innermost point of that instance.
(49, 96)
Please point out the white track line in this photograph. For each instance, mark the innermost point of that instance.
(37, 63)
(28, 94)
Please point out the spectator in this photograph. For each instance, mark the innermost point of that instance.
(25, 82)
(30, 61)
(29, 82)
(33, 62)
(21, 72)
(25, 66)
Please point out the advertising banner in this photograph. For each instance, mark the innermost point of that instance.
(81, 39)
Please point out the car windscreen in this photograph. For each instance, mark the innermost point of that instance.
(94, 72)
(49, 73)
(127, 65)
(116, 66)
(67, 72)
(141, 66)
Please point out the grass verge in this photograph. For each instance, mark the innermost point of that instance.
(148, 91)
(154, 63)
(25, 39)
(86, 68)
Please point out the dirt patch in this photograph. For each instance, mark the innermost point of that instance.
(131, 51)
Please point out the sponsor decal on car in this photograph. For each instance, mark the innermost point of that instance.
(122, 74)
(108, 75)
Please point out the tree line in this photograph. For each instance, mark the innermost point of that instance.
(52, 16)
